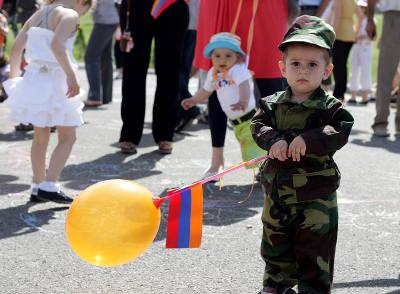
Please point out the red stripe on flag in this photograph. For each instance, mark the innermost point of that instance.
(173, 220)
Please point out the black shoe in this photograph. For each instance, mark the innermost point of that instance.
(58, 197)
(189, 116)
(35, 199)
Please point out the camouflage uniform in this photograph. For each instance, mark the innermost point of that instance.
(300, 215)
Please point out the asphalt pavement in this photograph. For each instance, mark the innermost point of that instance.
(35, 256)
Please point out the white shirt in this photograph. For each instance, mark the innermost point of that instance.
(228, 89)
(387, 5)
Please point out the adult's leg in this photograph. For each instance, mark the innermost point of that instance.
(170, 28)
(340, 54)
(135, 65)
(99, 40)
(389, 55)
(107, 68)
(66, 139)
(38, 153)
(184, 76)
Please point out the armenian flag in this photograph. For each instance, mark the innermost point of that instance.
(159, 6)
(185, 218)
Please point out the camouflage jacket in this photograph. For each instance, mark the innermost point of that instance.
(316, 174)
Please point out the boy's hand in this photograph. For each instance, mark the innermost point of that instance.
(297, 148)
(188, 103)
(240, 106)
(279, 150)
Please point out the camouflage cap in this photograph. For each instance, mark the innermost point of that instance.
(310, 30)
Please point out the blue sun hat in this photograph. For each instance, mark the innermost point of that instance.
(226, 41)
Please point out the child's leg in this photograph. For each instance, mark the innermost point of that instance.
(277, 245)
(366, 69)
(355, 71)
(38, 153)
(66, 139)
(315, 243)
(217, 160)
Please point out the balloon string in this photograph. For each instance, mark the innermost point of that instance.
(251, 190)
(174, 192)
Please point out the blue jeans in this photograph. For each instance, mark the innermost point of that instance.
(98, 62)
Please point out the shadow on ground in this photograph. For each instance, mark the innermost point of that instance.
(378, 142)
(378, 283)
(222, 208)
(8, 187)
(19, 220)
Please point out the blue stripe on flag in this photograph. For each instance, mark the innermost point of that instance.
(184, 219)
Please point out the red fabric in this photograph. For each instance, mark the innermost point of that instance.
(269, 28)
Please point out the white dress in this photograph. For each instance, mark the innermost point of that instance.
(39, 97)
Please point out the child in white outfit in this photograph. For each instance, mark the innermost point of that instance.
(361, 60)
(230, 77)
(48, 93)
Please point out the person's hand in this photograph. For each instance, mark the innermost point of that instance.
(188, 103)
(297, 148)
(240, 106)
(279, 150)
(371, 29)
(396, 83)
(73, 86)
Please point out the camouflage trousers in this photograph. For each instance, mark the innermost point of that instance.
(298, 243)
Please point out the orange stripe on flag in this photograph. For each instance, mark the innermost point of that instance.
(196, 220)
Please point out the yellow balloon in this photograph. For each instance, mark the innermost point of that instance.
(112, 222)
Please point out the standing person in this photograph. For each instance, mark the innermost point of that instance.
(389, 55)
(185, 117)
(396, 83)
(313, 7)
(166, 23)
(301, 128)
(48, 93)
(98, 55)
(230, 78)
(361, 56)
(344, 13)
(252, 22)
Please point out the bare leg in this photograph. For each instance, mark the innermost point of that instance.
(66, 139)
(38, 153)
(217, 160)
(353, 95)
(365, 95)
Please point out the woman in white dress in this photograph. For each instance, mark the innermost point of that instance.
(48, 93)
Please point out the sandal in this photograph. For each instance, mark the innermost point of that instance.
(92, 103)
(352, 101)
(165, 147)
(127, 147)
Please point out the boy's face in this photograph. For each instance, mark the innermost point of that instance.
(304, 68)
(223, 59)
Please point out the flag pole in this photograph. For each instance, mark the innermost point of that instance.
(172, 193)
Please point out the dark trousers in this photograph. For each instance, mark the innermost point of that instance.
(167, 31)
(118, 55)
(189, 45)
(340, 54)
(217, 118)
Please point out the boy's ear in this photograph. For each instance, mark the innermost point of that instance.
(328, 71)
(282, 67)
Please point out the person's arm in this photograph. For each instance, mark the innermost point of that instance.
(322, 7)
(371, 27)
(337, 14)
(262, 128)
(244, 97)
(357, 24)
(331, 137)
(201, 96)
(18, 49)
(65, 27)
